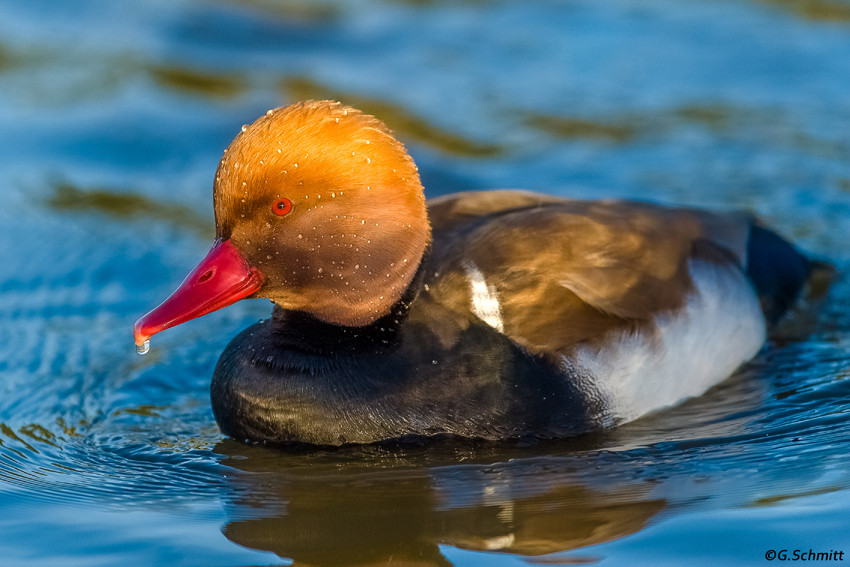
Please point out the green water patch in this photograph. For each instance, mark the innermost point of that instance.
(627, 127)
(300, 11)
(5, 59)
(568, 128)
(816, 10)
(777, 499)
(400, 120)
(32, 435)
(768, 126)
(142, 410)
(127, 205)
(195, 82)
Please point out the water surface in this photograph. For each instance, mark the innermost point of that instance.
(113, 117)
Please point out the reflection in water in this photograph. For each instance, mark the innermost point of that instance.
(397, 118)
(582, 129)
(370, 506)
(195, 82)
(821, 10)
(302, 11)
(392, 509)
(723, 120)
(128, 205)
(5, 59)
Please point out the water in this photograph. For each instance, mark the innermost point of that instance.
(113, 117)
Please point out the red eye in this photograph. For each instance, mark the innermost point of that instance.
(282, 206)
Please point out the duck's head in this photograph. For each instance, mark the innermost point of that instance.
(318, 208)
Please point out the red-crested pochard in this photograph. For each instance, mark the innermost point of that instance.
(490, 315)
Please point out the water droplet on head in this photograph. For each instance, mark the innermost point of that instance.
(244, 127)
(144, 347)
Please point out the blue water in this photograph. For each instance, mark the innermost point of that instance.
(112, 118)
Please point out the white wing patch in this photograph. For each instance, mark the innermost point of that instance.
(484, 299)
(720, 328)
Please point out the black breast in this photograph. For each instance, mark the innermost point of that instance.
(293, 379)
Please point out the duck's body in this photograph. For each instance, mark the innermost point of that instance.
(516, 315)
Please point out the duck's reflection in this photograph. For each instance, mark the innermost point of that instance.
(398, 510)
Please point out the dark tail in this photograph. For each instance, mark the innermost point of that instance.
(780, 272)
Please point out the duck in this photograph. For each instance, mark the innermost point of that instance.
(487, 315)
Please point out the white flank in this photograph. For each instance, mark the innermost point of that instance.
(720, 328)
(484, 299)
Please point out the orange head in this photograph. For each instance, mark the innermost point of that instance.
(318, 208)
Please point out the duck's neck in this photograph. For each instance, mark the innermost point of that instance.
(302, 331)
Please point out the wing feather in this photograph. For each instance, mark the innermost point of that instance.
(567, 271)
